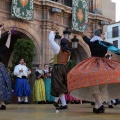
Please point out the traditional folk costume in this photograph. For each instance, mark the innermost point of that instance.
(39, 88)
(5, 87)
(96, 78)
(60, 70)
(5, 80)
(47, 80)
(22, 87)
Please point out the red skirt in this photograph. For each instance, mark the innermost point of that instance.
(92, 72)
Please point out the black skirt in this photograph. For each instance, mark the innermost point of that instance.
(59, 79)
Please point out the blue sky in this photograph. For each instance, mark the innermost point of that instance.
(117, 9)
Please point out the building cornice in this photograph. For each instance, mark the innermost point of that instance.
(68, 10)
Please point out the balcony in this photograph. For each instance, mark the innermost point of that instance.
(64, 2)
(69, 4)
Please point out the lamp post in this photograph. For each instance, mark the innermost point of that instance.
(74, 42)
(66, 33)
(57, 38)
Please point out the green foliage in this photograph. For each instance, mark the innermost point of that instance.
(23, 48)
(71, 64)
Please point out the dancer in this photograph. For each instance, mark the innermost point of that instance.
(5, 81)
(22, 87)
(96, 78)
(60, 70)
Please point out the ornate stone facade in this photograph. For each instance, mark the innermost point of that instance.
(38, 29)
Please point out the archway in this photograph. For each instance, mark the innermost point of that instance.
(81, 52)
(9, 55)
(25, 31)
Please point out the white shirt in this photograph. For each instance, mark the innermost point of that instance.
(19, 67)
(55, 47)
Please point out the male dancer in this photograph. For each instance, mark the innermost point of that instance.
(60, 70)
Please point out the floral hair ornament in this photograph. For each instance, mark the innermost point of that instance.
(14, 31)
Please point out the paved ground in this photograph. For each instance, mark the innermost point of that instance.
(48, 112)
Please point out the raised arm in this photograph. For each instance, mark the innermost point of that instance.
(5, 48)
(86, 39)
(55, 47)
(8, 40)
(1, 28)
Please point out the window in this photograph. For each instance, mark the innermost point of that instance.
(65, 2)
(90, 4)
(115, 43)
(115, 32)
(68, 3)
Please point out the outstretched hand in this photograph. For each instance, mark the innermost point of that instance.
(9, 33)
(54, 27)
(85, 32)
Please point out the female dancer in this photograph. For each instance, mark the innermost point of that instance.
(96, 78)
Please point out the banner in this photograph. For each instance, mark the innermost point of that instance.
(79, 15)
(22, 9)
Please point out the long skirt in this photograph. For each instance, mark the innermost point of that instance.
(5, 90)
(22, 87)
(95, 75)
(59, 80)
(5, 84)
(39, 91)
(49, 97)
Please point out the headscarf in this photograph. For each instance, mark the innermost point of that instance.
(64, 44)
(97, 34)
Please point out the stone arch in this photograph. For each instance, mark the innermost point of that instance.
(85, 47)
(82, 50)
(27, 30)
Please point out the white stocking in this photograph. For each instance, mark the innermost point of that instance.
(2, 103)
(96, 105)
(62, 98)
(109, 103)
(19, 99)
(56, 99)
(26, 99)
(114, 101)
(98, 99)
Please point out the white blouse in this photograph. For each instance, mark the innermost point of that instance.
(55, 47)
(25, 72)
